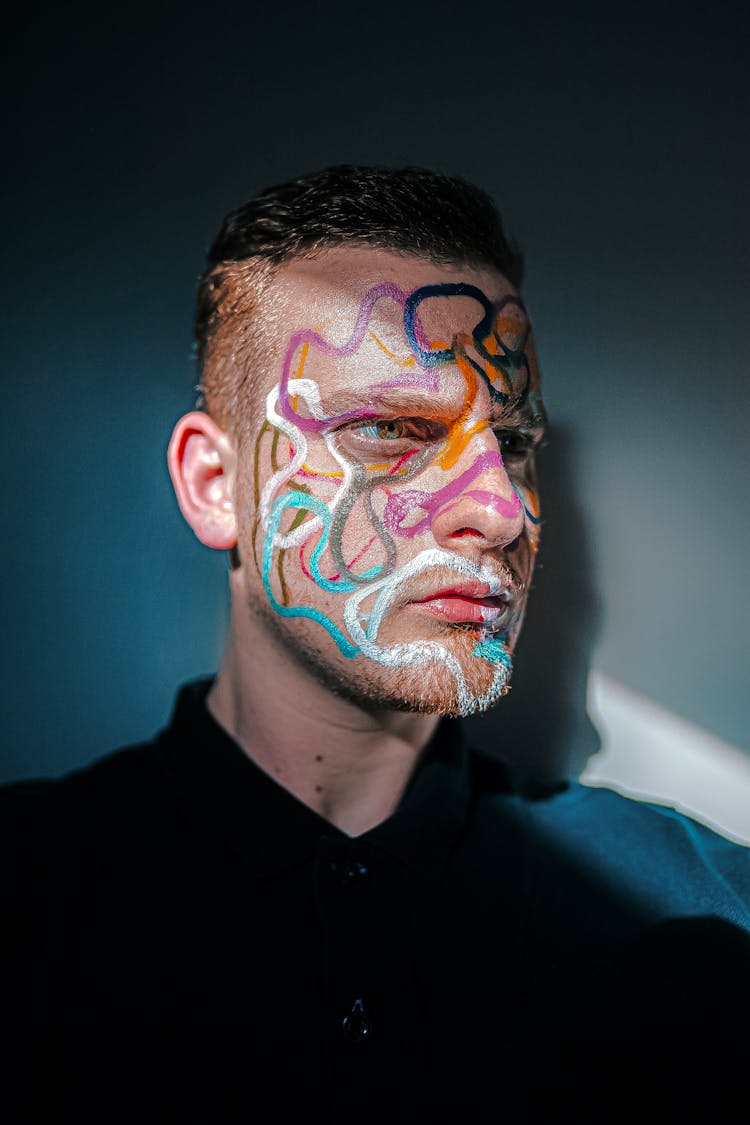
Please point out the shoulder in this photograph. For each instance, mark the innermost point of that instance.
(94, 809)
(112, 772)
(616, 818)
(604, 816)
(656, 855)
(127, 783)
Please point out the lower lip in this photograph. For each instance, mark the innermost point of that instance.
(475, 611)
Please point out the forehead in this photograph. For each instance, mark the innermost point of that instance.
(329, 290)
(356, 317)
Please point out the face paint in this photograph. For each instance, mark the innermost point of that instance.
(488, 647)
(367, 513)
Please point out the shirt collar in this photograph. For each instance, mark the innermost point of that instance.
(216, 782)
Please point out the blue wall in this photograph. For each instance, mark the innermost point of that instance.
(618, 151)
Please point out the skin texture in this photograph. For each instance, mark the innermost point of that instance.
(380, 498)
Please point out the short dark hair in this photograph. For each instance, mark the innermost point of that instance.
(412, 210)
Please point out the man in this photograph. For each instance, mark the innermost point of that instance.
(307, 899)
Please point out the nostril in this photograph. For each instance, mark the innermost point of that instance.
(461, 532)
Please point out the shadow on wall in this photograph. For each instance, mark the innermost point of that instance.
(542, 729)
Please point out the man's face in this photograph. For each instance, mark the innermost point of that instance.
(386, 499)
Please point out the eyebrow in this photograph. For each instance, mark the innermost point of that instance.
(524, 416)
(405, 403)
(398, 401)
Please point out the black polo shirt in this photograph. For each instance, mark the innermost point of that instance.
(185, 941)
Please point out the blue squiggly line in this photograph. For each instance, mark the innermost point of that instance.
(459, 289)
(494, 650)
(536, 520)
(301, 500)
(332, 585)
(508, 359)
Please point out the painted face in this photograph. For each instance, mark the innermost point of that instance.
(395, 516)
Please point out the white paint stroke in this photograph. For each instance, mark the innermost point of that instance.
(651, 753)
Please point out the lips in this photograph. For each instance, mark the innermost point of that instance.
(466, 602)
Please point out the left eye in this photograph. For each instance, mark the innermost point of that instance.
(514, 444)
(398, 429)
(383, 431)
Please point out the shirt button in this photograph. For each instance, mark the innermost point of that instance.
(356, 1025)
(349, 871)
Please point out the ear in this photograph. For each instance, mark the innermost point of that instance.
(202, 465)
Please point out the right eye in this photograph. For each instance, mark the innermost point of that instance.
(515, 445)
(393, 429)
(391, 437)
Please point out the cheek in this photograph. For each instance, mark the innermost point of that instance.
(354, 545)
(320, 542)
(325, 526)
(529, 497)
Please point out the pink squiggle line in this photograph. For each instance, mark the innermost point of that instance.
(400, 505)
(427, 379)
(488, 500)
(335, 577)
(402, 461)
(303, 565)
(311, 474)
(309, 336)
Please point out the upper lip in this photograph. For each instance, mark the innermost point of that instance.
(473, 591)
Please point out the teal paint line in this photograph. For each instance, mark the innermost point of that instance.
(299, 500)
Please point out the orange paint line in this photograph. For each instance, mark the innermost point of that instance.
(308, 472)
(408, 362)
(457, 437)
(298, 374)
(533, 502)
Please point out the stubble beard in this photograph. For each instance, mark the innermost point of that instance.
(422, 687)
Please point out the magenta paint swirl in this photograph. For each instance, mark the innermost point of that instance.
(315, 340)
(399, 506)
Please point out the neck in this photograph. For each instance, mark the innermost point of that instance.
(349, 764)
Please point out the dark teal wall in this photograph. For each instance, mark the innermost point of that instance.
(616, 145)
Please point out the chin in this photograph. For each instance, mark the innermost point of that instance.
(439, 681)
(436, 689)
(456, 673)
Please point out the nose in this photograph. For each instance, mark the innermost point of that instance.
(480, 509)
